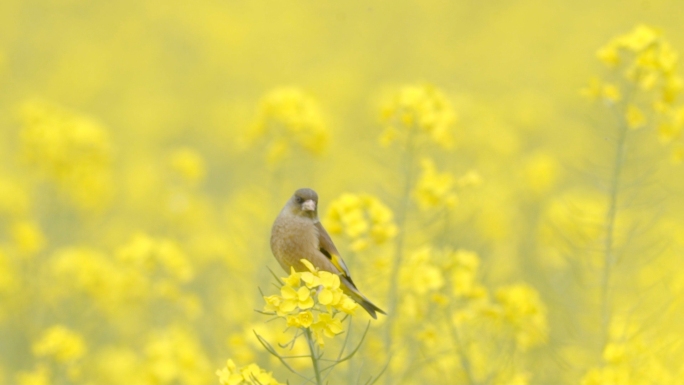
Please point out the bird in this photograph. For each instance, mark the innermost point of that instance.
(298, 234)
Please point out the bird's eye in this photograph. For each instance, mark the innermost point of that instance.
(300, 200)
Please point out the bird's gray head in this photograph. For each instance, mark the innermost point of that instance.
(304, 202)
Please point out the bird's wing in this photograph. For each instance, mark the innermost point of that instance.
(328, 249)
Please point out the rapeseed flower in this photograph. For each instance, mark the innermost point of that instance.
(60, 343)
(435, 189)
(422, 112)
(251, 374)
(41, 375)
(419, 274)
(70, 149)
(522, 307)
(289, 120)
(28, 237)
(174, 355)
(311, 300)
(156, 254)
(646, 82)
(462, 267)
(362, 218)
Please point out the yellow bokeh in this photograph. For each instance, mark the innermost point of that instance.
(504, 180)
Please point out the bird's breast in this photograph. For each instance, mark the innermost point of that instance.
(293, 239)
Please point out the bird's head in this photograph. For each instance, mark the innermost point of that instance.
(304, 202)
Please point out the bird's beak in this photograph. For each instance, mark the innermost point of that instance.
(309, 205)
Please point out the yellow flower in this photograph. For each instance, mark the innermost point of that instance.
(326, 326)
(39, 376)
(646, 60)
(301, 320)
(419, 274)
(639, 39)
(541, 172)
(60, 343)
(294, 279)
(28, 237)
(174, 355)
(293, 299)
(70, 149)
(311, 300)
(523, 308)
(246, 375)
(609, 55)
(463, 267)
(607, 375)
(435, 189)
(157, 254)
(330, 293)
(420, 111)
(272, 303)
(363, 218)
(289, 119)
(635, 118)
(611, 93)
(614, 352)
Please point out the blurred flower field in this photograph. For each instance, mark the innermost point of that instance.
(504, 179)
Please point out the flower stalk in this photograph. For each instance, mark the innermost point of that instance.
(609, 256)
(313, 355)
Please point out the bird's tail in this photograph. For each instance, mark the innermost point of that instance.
(349, 289)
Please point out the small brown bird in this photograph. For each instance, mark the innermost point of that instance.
(298, 234)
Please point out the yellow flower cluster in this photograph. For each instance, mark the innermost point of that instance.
(417, 113)
(628, 358)
(647, 83)
(134, 235)
(436, 189)
(28, 237)
(145, 268)
(173, 355)
(462, 267)
(419, 274)
(251, 374)
(441, 276)
(646, 60)
(152, 254)
(60, 343)
(362, 218)
(39, 376)
(438, 281)
(311, 300)
(82, 270)
(289, 119)
(522, 308)
(70, 149)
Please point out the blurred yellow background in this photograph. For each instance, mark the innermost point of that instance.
(502, 177)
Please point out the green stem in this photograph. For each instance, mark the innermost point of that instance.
(400, 239)
(465, 362)
(314, 357)
(609, 257)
